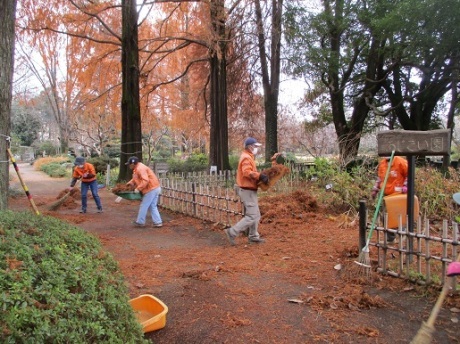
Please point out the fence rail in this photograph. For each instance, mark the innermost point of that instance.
(211, 197)
(208, 197)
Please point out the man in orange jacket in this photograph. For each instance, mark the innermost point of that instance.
(247, 178)
(147, 183)
(87, 173)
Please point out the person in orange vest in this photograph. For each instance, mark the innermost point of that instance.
(147, 183)
(397, 179)
(87, 173)
(247, 178)
(396, 182)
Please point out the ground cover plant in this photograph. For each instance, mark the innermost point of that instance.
(58, 285)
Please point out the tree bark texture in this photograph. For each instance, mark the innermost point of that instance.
(131, 129)
(7, 20)
(270, 73)
(218, 143)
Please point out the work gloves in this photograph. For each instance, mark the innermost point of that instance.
(375, 188)
(263, 178)
(404, 188)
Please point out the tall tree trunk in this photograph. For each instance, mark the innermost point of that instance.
(7, 19)
(218, 150)
(270, 76)
(349, 130)
(131, 129)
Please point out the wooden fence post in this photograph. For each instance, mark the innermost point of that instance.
(362, 223)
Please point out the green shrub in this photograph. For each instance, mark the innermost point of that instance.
(112, 150)
(57, 285)
(51, 160)
(197, 162)
(194, 163)
(234, 159)
(340, 190)
(290, 158)
(323, 171)
(46, 146)
(54, 169)
(100, 163)
(435, 190)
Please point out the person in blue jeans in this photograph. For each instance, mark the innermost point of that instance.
(147, 183)
(87, 173)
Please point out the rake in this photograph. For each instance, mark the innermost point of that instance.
(364, 261)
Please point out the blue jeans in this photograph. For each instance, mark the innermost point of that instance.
(84, 194)
(150, 201)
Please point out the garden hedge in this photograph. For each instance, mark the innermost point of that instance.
(58, 285)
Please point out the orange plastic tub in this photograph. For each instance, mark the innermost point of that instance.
(396, 206)
(150, 312)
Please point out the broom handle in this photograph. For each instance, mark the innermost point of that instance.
(26, 190)
(437, 307)
(381, 193)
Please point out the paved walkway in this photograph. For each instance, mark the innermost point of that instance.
(38, 182)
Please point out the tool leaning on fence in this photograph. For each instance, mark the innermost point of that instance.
(364, 259)
(26, 190)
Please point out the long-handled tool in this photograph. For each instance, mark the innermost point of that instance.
(364, 260)
(26, 190)
(425, 333)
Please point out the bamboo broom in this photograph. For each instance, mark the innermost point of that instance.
(55, 206)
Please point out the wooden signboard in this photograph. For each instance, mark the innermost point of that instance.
(407, 142)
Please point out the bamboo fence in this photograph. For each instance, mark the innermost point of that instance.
(422, 255)
(211, 197)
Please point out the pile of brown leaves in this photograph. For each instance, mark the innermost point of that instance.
(274, 173)
(122, 188)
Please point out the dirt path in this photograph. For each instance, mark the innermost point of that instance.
(284, 291)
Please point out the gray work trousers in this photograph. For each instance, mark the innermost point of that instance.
(251, 214)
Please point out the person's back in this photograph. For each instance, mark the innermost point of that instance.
(397, 178)
(396, 182)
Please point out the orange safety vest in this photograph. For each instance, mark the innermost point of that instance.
(87, 168)
(397, 176)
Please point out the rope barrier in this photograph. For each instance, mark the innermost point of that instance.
(127, 143)
(130, 153)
